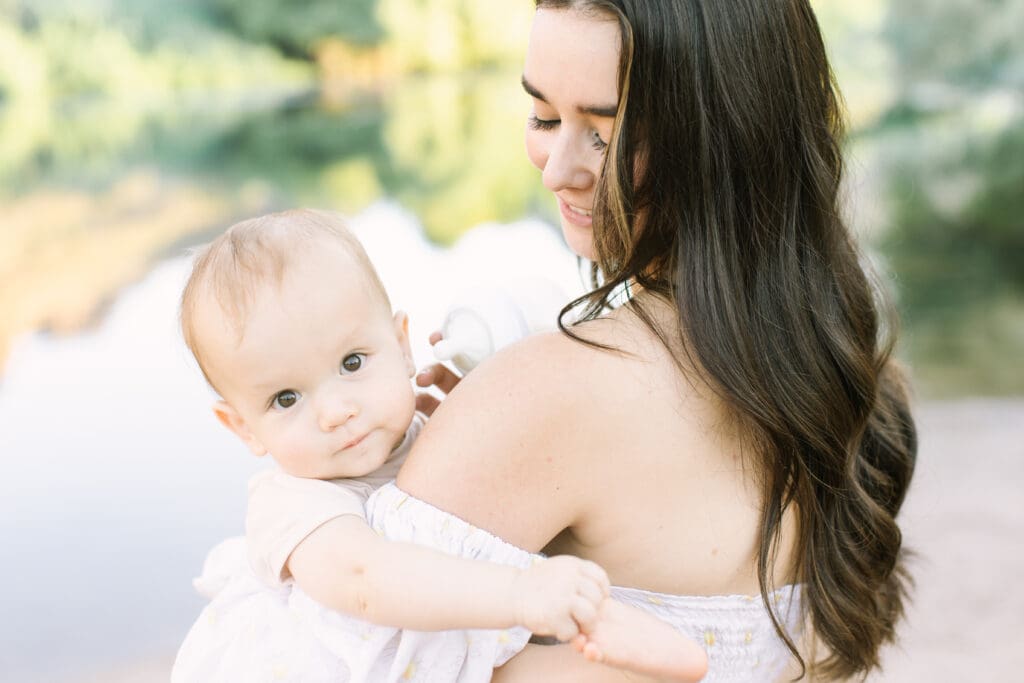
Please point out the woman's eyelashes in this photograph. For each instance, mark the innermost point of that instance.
(542, 124)
(550, 124)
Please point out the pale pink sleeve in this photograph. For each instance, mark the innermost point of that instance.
(283, 510)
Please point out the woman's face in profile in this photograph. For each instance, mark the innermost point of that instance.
(571, 72)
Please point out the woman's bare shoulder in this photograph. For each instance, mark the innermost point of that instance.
(526, 394)
(502, 449)
(537, 382)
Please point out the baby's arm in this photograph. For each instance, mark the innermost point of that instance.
(346, 566)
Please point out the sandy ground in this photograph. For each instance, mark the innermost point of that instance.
(964, 517)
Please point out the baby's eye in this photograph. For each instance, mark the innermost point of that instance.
(285, 399)
(352, 362)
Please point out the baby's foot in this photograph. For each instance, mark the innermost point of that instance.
(628, 638)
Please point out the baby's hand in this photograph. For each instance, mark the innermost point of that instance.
(559, 596)
(435, 375)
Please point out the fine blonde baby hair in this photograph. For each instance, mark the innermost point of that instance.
(255, 253)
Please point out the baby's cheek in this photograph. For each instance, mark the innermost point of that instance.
(300, 448)
(403, 406)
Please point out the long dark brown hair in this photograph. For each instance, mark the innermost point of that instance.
(720, 194)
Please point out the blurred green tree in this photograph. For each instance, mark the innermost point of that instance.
(953, 255)
(961, 43)
(953, 150)
(959, 266)
(448, 35)
(296, 26)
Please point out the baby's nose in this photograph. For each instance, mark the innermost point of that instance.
(335, 413)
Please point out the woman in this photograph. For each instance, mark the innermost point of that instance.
(734, 428)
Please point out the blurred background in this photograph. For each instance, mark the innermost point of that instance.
(132, 130)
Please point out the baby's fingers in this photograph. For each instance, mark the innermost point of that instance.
(439, 376)
(566, 629)
(585, 614)
(598, 575)
(426, 404)
(591, 591)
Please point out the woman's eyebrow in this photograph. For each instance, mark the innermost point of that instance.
(606, 111)
(532, 91)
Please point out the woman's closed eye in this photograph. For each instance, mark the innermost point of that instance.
(542, 124)
(536, 123)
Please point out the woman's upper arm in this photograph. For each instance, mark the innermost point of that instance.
(500, 451)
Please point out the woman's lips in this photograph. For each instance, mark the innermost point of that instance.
(575, 215)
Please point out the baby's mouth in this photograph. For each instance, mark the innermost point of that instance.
(354, 442)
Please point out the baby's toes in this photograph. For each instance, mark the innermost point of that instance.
(592, 652)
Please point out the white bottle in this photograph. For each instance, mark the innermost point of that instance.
(489, 318)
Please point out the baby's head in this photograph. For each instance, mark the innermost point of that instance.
(292, 327)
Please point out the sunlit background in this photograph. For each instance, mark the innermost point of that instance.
(131, 130)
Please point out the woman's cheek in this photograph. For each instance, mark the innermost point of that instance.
(536, 148)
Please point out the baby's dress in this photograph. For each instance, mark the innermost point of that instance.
(249, 631)
(259, 626)
(255, 633)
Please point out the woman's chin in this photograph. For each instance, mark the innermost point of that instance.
(580, 240)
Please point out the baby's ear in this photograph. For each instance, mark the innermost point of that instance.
(402, 333)
(230, 418)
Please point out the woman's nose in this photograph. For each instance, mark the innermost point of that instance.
(565, 166)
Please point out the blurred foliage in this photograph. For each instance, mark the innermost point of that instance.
(139, 48)
(960, 221)
(127, 49)
(453, 34)
(858, 53)
(296, 26)
(957, 245)
(951, 152)
(959, 43)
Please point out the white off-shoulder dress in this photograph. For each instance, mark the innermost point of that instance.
(253, 632)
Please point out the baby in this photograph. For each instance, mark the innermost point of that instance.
(293, 329)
